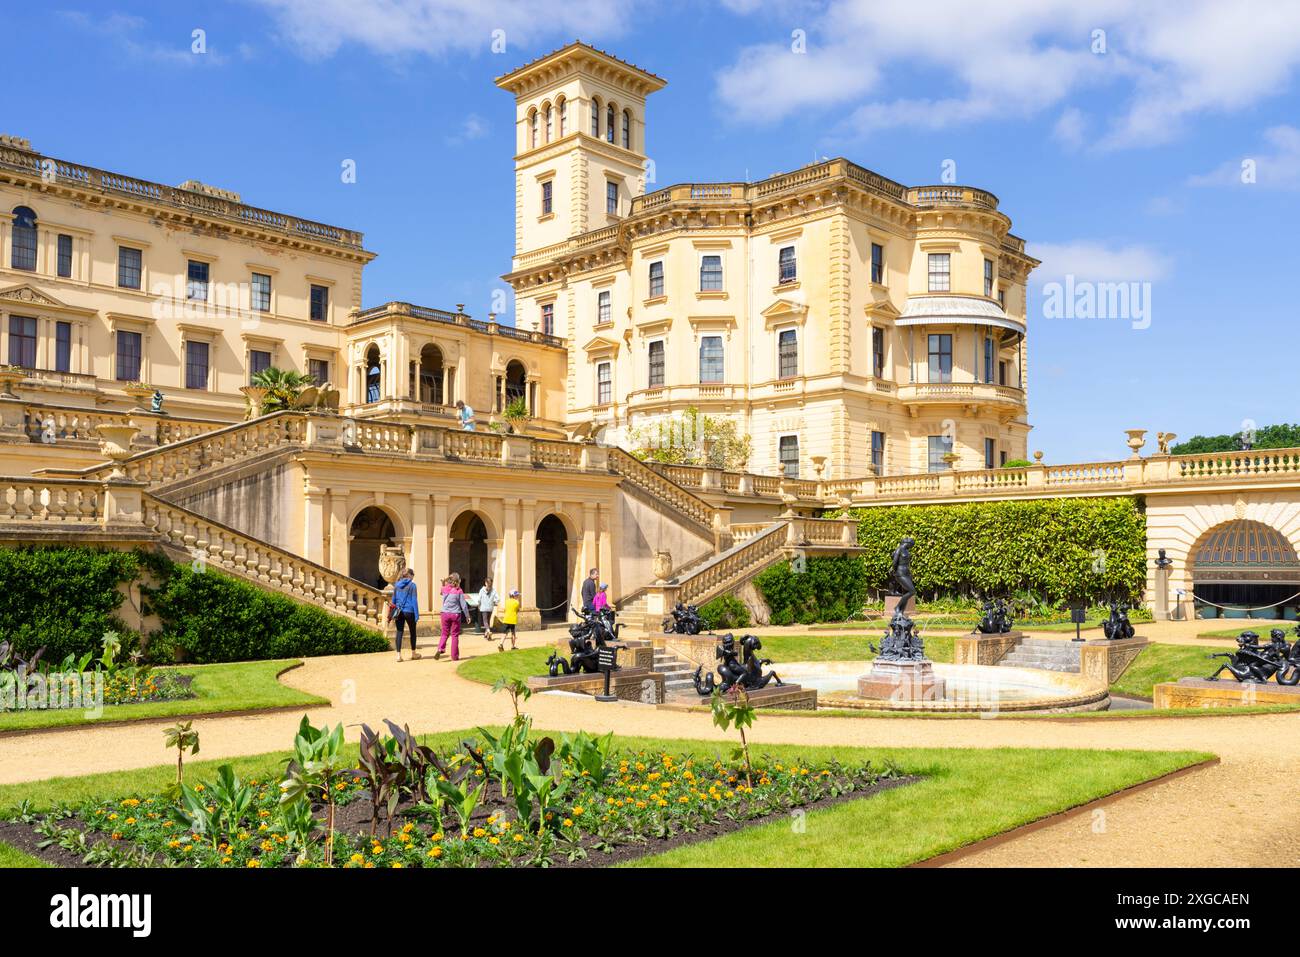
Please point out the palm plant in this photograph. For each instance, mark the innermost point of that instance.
(283, 386)
(183, 738)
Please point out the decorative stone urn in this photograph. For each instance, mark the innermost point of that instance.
(819, 465)
(1038, 457)
(1136, 439)
(951, 458)
(254, 394)
(392, 562)
(10, 376)
(662, 565)
(115, 444)
(140, 392)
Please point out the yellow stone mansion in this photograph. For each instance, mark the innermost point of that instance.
(847, 323)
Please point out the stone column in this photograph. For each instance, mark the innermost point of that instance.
(339, 557)
(528, 562)
(420, 551)
(313, 525)
(510, 548)
(441, 536)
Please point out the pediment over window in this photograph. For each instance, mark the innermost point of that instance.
(34, 297)
(601, 345)
(785, 311)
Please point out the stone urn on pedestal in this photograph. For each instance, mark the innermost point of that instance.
(1136, 439)
(115, 444)
(255, 394)
(391, 564)
(662, 565)
(140, 393)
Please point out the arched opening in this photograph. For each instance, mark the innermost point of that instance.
(431, 376)
(371, 530)
(552, 569)
(469, 550)
(532, 129)
(23, 253)
(516, 384)
(610, 124)
(373, 374)
(1245, 564)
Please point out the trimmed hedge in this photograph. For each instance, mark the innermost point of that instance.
(725, 613)
(830, 589)
(65, 598)
(1050, 547)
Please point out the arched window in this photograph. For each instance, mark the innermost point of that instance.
(627, 129)
(548, 122)
(24, 232)
(595, 117)
(609, 123)
(532, 130)
(563, 108)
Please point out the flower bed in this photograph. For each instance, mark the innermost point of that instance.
(508, 800)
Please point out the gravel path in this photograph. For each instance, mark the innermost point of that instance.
(1234, 814)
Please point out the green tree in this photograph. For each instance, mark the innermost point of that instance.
(283, 387)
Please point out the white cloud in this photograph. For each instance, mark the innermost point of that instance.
(1168, 59)
(1069, 128)
(319, 28)
(1090, 260)
(128, 34)
(474, 127)
(1275, 167)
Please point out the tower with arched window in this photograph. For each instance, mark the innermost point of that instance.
(580, 144)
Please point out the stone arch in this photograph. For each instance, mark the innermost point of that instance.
(370, 528)
(555, 557)
(431, 375)
(1244, 563)
(473, 548)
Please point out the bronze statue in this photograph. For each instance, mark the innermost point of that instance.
(1118, 626)
(586, 638)
(997, 618)
(746, 672)
(1253, 663)
(1163, 560)
(902, 642)
(900, 572)
(685, 620)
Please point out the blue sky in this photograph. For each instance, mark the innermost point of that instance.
(1118, 155)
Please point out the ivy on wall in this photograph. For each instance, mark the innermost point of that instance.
(830, 589)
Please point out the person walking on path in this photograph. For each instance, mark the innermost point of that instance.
(488, 600)
(466, 415)
(406, 610)
(509, 619)
(454, 608)
(601, 601)
(589, 589)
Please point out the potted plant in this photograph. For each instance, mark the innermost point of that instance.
(516, 414)
(140, 392)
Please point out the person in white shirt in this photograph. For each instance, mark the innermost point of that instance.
(488, 600)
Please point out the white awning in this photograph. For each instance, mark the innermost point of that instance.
(957, 310)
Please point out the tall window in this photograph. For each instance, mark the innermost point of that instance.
(258, 361)
(878, 452)
(547, 206)
(1002, 299)
(611, 198)
(1002, 457)
(196, 365)
(1002, 372)
(24, 239)
(595, 118)
(604, 384)
(548, 124)
(710, 274)
(787, 354)
(548, 318)
(130, 267)
(877, 352)
(988, 278)
(63, 347)
(711, 359)
(532, 129)
(877, 263)
(939, 446)
(260, 292)
(563, 110)
(940, 358)
(789, 455)
(656, 279)
(65, 255)
(320, 303)
(602, 307)
(990, 354)
(940, 270)
(196, 286)
(128, 356)
(319, 370)
(22, 342)
(990, 453)
(655, 379)
(627, 130)
(786, 269)
(609, 123)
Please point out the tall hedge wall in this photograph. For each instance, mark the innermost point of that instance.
(1047, 546)
(66, 598)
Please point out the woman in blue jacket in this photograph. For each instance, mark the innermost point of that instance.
(406, 610)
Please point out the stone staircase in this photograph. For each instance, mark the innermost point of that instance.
(677, 673)
(1045, 654)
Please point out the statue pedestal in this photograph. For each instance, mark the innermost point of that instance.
(627, 684)
(902, 681)
(891, 604)
(1226, 692)
(1160, 607)
(979, 648)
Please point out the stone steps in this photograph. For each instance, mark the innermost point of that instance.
(678, 672)
(1044, 654)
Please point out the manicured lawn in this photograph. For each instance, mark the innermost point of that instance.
(1260, 627)
(245, 685)
(11, 857)
(966, 795)
(1159, 663)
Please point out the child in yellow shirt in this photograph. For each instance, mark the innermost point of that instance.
(509, 618)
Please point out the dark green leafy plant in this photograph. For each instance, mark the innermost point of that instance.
(725, 613)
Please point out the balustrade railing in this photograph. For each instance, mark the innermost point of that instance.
(50, 501)
(732, 566)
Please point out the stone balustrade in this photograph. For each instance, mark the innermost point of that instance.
(50, 501)
(56, 425)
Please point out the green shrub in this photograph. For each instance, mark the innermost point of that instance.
(725, 613)
(1016, 463)
(210, 617)
(1048, 547)
(831, 589)
(63, 599)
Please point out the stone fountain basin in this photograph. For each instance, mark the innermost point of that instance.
(969, 688)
